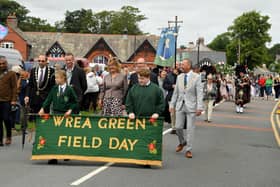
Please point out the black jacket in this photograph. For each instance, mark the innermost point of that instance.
(36, 96)
(79, 83)
(168, 83)
(134, 79)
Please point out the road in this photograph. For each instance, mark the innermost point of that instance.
(234, 150)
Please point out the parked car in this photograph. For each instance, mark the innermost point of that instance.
(13, 56)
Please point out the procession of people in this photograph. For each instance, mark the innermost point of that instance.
(178, 94)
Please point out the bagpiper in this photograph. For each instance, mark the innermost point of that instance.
(241, 85)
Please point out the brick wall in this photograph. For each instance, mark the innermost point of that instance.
(19, 43)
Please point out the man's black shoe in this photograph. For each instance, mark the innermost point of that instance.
(173, 131)
(147, 166)
(52, 161)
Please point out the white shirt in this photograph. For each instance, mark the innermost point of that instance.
(63, 86)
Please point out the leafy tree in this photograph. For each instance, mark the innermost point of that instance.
(36, 24)
(26, 23)
(274, 50)
(250, 30)
(104, 22)
(127, 19)
(80, 21)
(220, 42)
(8, 7)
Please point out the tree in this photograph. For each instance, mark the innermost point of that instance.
(80, 21)
(274, 50)
(127, 19)
(25, 23)
(36, 24)
(220, 42)
(104, 22)
(11, 7)
(250, 30)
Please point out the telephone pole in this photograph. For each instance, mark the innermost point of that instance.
(176, 35)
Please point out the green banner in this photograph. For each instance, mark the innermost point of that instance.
(96, 138)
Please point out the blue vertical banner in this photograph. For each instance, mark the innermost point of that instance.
(166, 48)
(3, 31)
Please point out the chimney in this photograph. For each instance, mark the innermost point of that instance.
(12, 20)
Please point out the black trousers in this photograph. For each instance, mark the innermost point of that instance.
(5, 112)
(262, 89)
(90, 98)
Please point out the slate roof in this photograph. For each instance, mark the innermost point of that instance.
(205, 53)
(80, 44)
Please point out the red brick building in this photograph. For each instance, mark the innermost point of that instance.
(96, 48)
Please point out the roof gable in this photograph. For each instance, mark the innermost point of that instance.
(101, 44)
(146, 44)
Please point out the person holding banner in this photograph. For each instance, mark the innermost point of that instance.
(187, 100)
(145, 98)
(62, 97)
(113, 90)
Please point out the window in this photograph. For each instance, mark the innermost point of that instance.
(9, 45)
(56, 51)
(100, 60)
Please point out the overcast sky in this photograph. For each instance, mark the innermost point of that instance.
(201, 18)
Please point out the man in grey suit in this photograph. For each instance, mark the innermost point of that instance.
(187, 100)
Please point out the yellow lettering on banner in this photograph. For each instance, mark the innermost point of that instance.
(68, 122)
(138, 123)
(96, 142)
(77, 141)
(114, 143)
(121, 122)
(87, 124)
(129, 124)
(58, 120)
(132, 143)
(77, 122)
(123, 145)
(61, 139)
(102, 123)
(85, 145)
(112, 123)
(69, 141)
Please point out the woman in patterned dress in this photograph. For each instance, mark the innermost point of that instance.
(113, 90)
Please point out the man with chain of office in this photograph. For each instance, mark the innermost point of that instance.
(40, 82)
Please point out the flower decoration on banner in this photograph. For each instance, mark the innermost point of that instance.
(152, 147)
(153, 121)
(42, 142)
(45, 118)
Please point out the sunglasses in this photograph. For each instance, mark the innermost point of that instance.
(41, 61)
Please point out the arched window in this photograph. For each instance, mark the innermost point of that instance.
(9, 45)
(100, 59)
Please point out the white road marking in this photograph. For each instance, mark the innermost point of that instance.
(100, 169)
(91, 174)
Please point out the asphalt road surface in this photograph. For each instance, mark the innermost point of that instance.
(235, 150)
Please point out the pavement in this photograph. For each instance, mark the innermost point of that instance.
(235, 150)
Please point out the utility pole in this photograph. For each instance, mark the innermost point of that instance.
(176, 35)
(239, 51)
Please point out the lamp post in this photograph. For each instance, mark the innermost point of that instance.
(198, 45)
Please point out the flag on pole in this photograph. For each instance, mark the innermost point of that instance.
(166, 47)
(3, 31)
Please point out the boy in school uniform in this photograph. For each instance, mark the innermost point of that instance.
(62, 97)
(145, 98)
